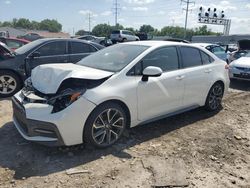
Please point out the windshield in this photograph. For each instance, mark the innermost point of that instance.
(29, 46)
(114, 58)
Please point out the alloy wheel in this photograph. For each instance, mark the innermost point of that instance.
(108, 127)
(7, 84)
(215, 97)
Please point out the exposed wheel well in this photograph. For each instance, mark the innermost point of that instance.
(124, 106)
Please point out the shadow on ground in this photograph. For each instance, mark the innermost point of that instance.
(30, 159)
(240, 85)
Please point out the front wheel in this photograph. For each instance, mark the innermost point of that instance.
(214, 98)
(105, 125)
(9, 84)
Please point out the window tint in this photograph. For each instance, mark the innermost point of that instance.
(53, 48)
(13, 44)
(190, 56)
(116, 32)
(218, 49)
(164, 58)
(206, 59)
(79, 47)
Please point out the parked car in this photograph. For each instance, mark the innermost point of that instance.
(118, 87)
(4, 34)
(14, 43)
(123, 36)
(16, 68)
(215, 49)
(5, 52)
(100, 40)
(240, 68)
(243, 49)
(30, 36)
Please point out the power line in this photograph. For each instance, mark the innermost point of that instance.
(187, 10)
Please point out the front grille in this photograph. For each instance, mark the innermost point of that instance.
(244, 76)
(20, 114)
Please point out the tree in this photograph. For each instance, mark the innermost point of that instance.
(146, 29)
(50, 25)
(82, 32)
(203, 30)
(102, 30)
(130, 29)
(21, 23)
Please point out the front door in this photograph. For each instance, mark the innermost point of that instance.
(160, 95)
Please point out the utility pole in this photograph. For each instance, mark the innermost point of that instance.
(89, 19)
(116, 10)
(187, 10)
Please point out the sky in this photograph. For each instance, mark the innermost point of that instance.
(73, 14)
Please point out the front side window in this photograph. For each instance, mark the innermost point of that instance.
(53, 48)
(164, 58)
(190, 57)
(79, 48)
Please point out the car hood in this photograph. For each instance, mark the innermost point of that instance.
(48, 78)
(242, 62)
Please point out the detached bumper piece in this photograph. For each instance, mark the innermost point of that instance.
(37, 131)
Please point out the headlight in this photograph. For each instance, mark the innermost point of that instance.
(65, 99)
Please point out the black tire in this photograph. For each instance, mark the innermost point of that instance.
(124, 40)
(10, 83)
(214, 97)
(107, 130)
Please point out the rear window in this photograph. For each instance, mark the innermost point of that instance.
(115, 32)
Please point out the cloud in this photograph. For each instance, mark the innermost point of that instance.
(139, 2)
(248, 5)
(87, 12)
(7, 2)
(140, 9)
(121, 20)
(161, 12)
(106, 13)
(222, 5)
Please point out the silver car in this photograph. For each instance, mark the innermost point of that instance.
(123, 36)
(240, 68)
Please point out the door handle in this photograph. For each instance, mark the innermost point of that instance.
(180, 77)
(208, 70)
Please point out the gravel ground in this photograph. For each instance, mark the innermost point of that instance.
(193, 149)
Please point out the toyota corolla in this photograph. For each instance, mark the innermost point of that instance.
(119, 87)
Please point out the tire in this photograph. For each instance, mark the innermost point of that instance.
(214, 97)
(102, 130)
(124, 40)
(10, 84)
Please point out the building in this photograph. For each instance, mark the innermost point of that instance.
(230, 39)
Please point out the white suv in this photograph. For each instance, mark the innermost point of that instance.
(118, 87)
(123, 36)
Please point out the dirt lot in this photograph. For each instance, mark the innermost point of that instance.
(194, 149)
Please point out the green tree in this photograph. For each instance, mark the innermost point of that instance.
(50, 25)
(102, 30)
(146, 29)
(21, 23)
(130, 29)
(203, 30)
(81, 32)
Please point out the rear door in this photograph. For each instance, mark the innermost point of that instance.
(52, 52)
(197, 76)
(79, 50)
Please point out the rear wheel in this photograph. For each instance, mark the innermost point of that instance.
(10, 83)
(105, 125)
(124, 40)
(214, 97)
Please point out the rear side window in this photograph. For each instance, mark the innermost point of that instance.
(53, 48)
(206, 59)
(13, 44)
(79, 48)
(190, 57)
(164, 58)
(116, 32)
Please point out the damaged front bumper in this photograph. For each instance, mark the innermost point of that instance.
(36, 122)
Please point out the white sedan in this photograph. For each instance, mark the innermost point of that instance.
(119, 87)
(240, 68)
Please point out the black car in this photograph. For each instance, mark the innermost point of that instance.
(17, 66)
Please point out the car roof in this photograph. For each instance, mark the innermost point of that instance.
(65, 39)
(204, 44)
(155, 43)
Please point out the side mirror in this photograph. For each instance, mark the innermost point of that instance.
(35, 54)
(151, 71)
